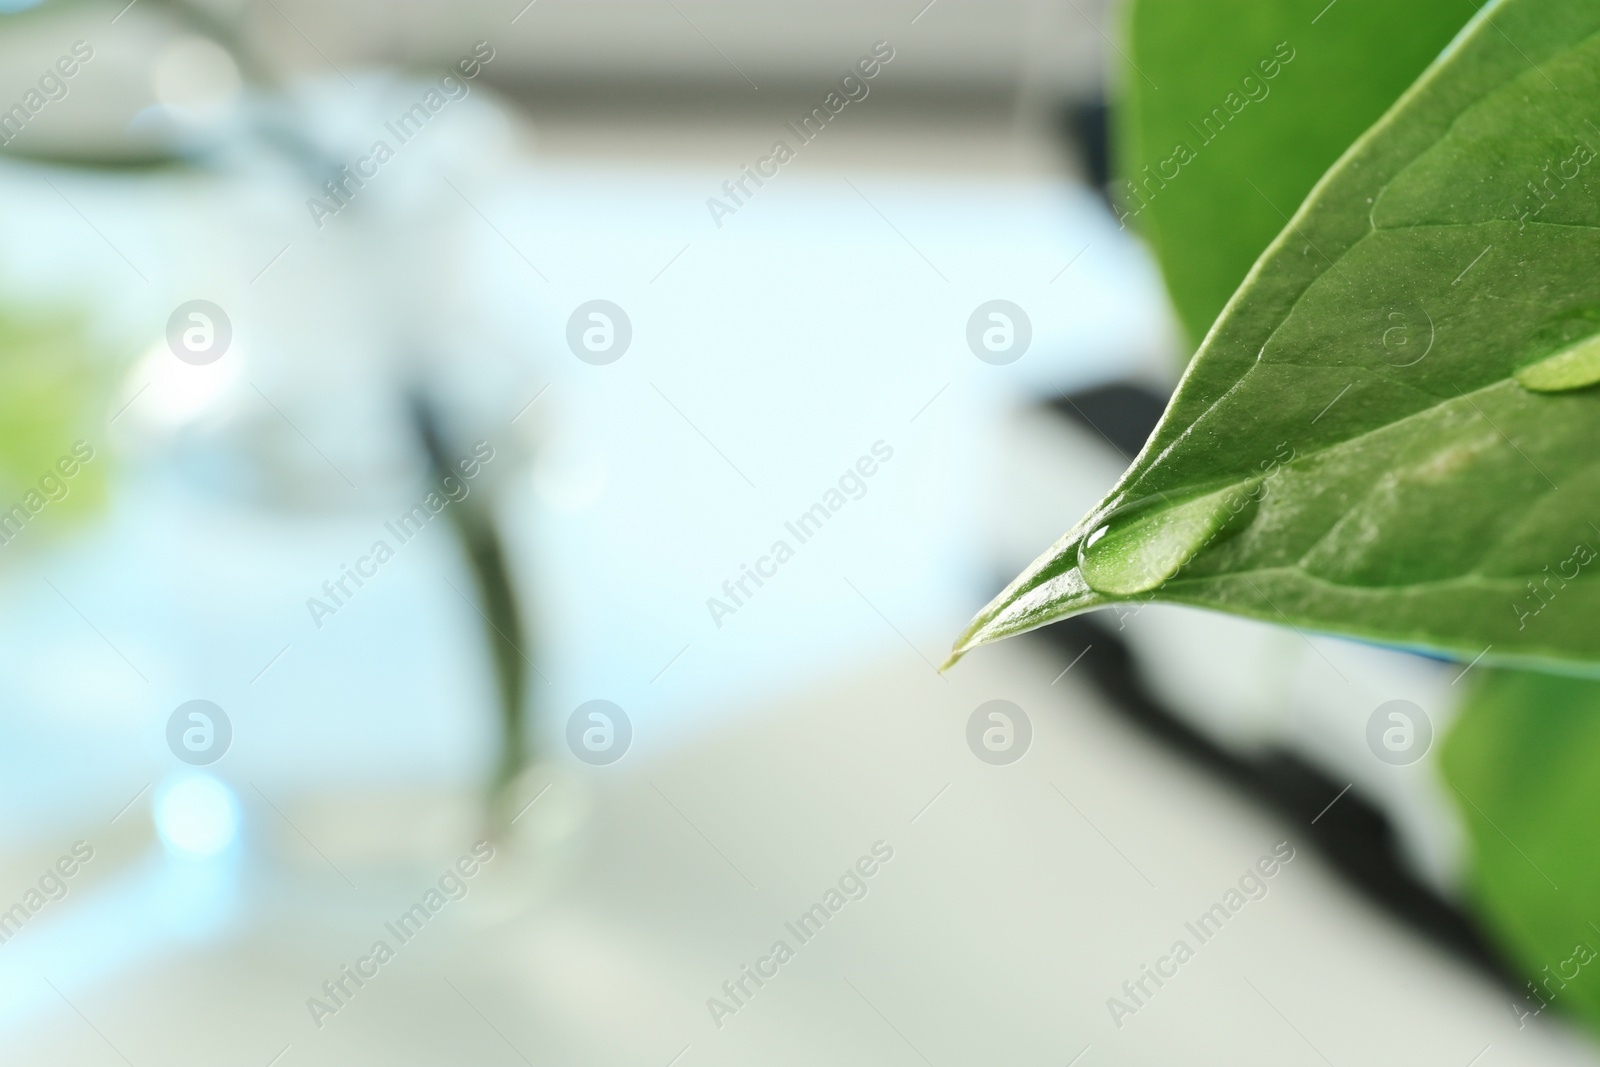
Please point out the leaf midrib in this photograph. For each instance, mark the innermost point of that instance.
(1333, 448)
(1467, 579)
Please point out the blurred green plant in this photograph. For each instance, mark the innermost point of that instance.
(1521, 761)
(54, 385)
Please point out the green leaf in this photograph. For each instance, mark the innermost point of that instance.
(1349, 451)
(1520, 761)
(1260, 97)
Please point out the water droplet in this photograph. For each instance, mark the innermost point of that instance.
(1141, 545)
(1571, 368)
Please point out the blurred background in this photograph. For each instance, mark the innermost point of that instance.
(529, 545)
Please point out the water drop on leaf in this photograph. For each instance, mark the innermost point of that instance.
(1140, 546)
(1571, 368)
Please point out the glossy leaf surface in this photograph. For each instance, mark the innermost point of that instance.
(1356, 412)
